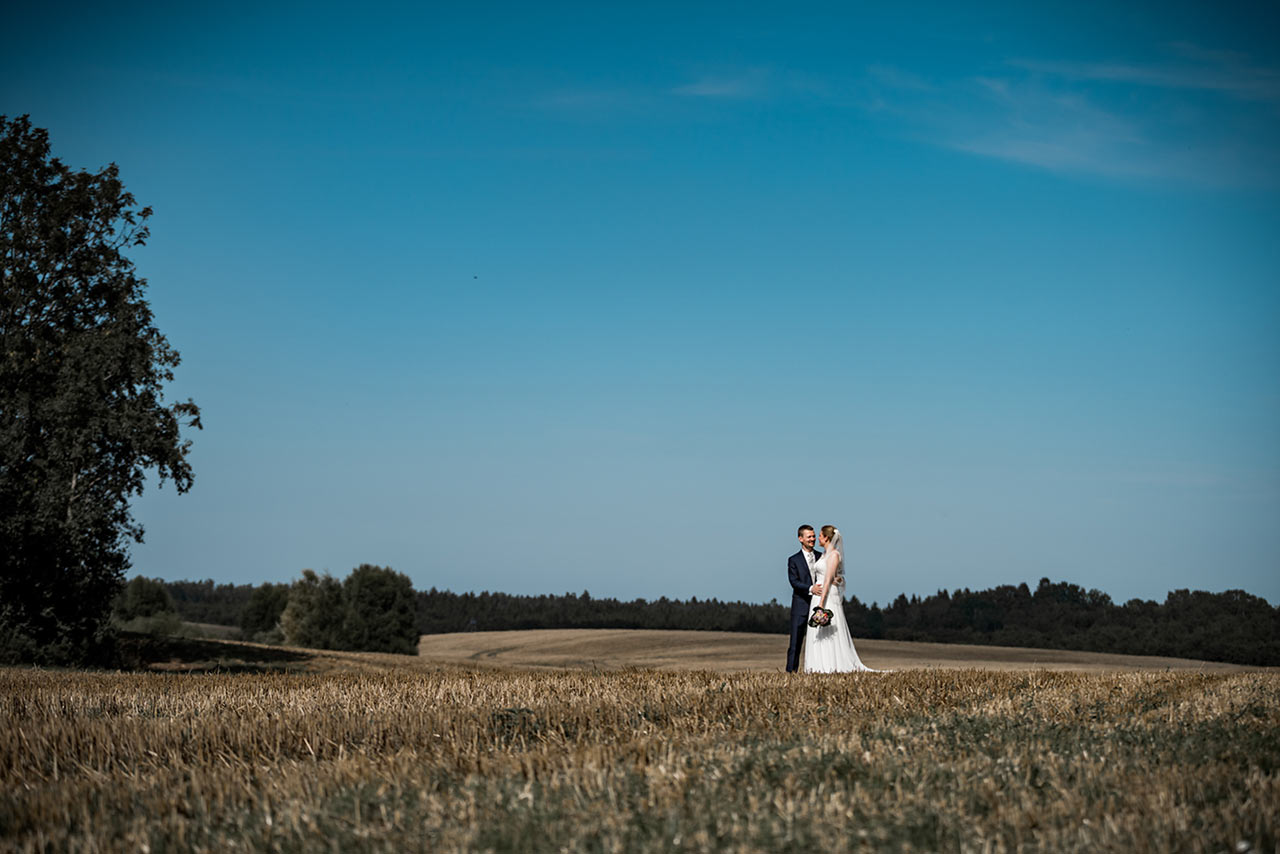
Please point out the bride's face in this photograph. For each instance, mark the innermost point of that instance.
(822, 541)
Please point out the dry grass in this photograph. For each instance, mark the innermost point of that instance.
(604, 649)
(478, 759)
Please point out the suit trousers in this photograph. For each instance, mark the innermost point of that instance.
(799, 624)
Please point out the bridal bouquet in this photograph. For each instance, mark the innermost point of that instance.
(821, 617)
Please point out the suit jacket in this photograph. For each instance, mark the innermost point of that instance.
(800, 577)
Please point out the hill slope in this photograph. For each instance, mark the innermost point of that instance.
(616, 649)
(608, 649)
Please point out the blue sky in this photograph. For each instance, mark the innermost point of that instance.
(551, 298)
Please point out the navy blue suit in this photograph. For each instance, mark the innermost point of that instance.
(801, 580)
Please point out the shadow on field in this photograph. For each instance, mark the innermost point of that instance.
(199, 655)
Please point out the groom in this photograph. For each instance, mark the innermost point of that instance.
(800, 574)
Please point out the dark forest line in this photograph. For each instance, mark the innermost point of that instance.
(1232, 626)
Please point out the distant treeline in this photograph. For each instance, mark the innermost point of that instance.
(441, 611)
(1232, 626)
(372, 609)
(206, 602)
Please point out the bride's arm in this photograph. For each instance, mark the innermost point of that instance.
(833, 569)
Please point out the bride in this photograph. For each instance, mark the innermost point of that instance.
(829, 649)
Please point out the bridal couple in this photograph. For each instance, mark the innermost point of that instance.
(817, 582)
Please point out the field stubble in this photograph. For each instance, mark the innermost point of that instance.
(477, 759)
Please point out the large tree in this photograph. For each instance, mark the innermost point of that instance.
(82, 412)
(381, 611)
(313, 615)
(261, 614)
(373, 610)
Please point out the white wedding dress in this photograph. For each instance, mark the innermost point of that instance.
(829, 649)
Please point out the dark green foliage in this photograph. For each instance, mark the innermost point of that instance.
(143, 597)
(82, 417)
(371, 611)
(443, 611)
(145, 607)
(1232, 626)
(261, 614)
(206, 602)
(379, 611)
(314, 613)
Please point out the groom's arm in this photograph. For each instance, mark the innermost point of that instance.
(793, 575)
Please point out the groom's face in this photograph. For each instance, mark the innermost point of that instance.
(806, 538)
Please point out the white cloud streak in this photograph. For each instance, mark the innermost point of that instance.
(717, 88)
(1195, 116)
(1216, 123)
(1232, 78)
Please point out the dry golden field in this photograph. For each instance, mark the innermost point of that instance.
(605, 649)
(381, 753)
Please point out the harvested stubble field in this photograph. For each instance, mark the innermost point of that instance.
(469, 758)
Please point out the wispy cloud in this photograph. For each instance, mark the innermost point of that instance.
(712, 87)
(1022, 122)
(741, 86)
(1190, 115)
(730, 85)
(737, 84)
(1215, 71)
(1214, 122)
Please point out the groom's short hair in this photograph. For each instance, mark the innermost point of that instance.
(800, 531)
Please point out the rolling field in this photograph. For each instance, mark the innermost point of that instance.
(386, 753)
(735, 651)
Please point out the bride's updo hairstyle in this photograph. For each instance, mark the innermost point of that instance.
(831, 534)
